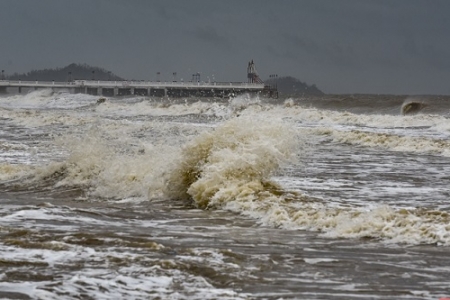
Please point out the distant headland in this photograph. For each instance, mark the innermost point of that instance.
(289, 86)
(67, 73)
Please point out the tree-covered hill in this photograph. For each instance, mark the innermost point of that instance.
(70, 72)
(290, 86)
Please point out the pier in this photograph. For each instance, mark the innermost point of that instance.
(173, 89)
(142, 88)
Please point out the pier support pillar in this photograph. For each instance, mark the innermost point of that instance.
(20, 90)
(2, 89)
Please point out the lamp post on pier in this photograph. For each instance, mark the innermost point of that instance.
(274, 81)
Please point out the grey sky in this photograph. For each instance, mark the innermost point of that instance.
(343, 46)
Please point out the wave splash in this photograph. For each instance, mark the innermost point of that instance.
(232, 163)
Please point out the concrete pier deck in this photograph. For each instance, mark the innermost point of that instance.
(143, 88)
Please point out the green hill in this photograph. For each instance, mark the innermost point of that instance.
(70, 72)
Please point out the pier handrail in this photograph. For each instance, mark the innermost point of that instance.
(126, 83)
(130, 84)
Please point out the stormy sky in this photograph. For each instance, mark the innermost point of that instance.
(342, 46)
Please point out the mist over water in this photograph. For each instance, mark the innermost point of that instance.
(333, 197)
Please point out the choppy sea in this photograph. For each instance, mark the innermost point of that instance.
(333, 197)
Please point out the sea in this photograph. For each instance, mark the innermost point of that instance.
(324, 197)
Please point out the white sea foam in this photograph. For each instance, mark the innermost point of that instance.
(391, 142)
(27, 217)
(155, 278)
(378, 123)
(32, 118)
(410, 226)
(12, 171)
(313, 261)
(148, 107)
(46, 99)
(104, 170)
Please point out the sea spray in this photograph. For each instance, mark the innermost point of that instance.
(233, 161)
(13, 171)
(102, 167)
(111, 172)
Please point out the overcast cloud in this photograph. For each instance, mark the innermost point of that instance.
(342, 46)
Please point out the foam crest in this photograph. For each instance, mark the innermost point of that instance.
(243, 101)
(13, 171)
(235, 160)
(331, 118)
(103, 169)
(273, 207)
(46, 98)
(38, 118)
(409, 226)
(392, 142)
(149, 108)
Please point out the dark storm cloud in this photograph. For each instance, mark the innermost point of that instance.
(428, 53)
(164, 13)
(304, 44)
(330, 52)
(209, 35)
(343, 46)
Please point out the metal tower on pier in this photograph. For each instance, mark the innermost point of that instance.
(252, 75)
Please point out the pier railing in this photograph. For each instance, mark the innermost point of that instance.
(124, 84)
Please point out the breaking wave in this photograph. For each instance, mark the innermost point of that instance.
(231, 167)
(234, 161)
(410, 107)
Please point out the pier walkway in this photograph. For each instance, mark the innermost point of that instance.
(143, 88)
